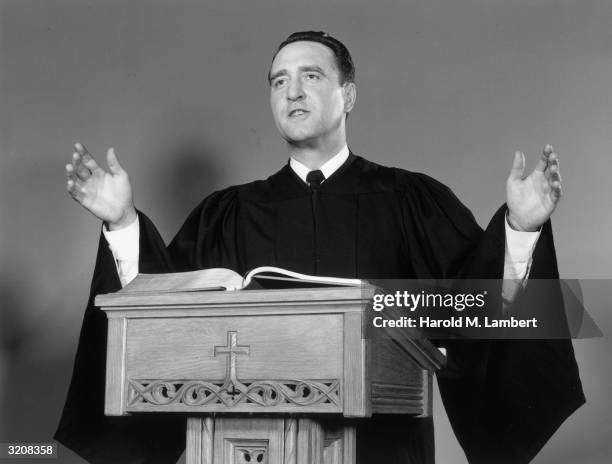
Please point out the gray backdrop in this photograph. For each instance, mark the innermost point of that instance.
(179, 88)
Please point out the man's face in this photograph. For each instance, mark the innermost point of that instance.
(307, 100)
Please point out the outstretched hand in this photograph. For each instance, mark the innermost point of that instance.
(107, 195)
(531, 200)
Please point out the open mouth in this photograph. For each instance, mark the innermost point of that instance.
(297, 112)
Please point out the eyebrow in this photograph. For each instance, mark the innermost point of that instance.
(307, 68)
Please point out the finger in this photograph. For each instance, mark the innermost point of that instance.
(89, 162)
(518, 166)
(80, 148)
(76, 160)
(80, 169)
(552, 170)
(85, 157)
(75, 181)
(554, 174)
(556, 191)
(553, 160)
(75, 190)
(70, 171)
(548, 149)
(543, 162)
(113, 162)
(70, 186)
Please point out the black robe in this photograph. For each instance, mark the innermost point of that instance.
(504, 398)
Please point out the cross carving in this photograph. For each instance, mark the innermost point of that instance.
(232, 349)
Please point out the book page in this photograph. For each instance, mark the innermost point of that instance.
(277, 273)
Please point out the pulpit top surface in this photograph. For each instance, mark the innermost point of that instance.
(303, 296)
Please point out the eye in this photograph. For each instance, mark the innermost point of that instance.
(279, 82)
(311, 76)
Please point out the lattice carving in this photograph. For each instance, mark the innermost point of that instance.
(268, 393)
(250, 455)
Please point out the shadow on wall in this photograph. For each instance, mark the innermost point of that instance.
(12, 341)
(185, 174)
(31, 393)
(34, 379)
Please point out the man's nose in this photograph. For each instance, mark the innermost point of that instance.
(295, 92)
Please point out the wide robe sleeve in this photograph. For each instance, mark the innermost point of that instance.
(139, 438)
(504, 398)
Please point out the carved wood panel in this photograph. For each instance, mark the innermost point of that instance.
(266, 440)
(248, 452)
(248, 441)
(265, 393)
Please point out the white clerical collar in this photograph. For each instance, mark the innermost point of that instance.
(330, 166)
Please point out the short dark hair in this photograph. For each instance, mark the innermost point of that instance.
(343, 57)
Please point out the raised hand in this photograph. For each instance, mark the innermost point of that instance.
(531, 200)
(107, 195)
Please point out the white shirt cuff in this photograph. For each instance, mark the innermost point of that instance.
(124, 242)
(125, 246)
(517, 261)
(519, 249)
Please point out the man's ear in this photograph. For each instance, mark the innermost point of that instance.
(349, 92)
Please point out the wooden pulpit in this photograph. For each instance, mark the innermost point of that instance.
(262, 374)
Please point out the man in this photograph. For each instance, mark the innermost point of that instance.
(330, 212)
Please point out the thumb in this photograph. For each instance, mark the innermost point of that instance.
(113, 163)
(518, 166)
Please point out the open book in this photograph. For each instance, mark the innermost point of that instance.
(226, 279)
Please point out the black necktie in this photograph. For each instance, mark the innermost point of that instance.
(314, 179)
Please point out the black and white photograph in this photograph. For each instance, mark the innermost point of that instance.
(291, 232)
